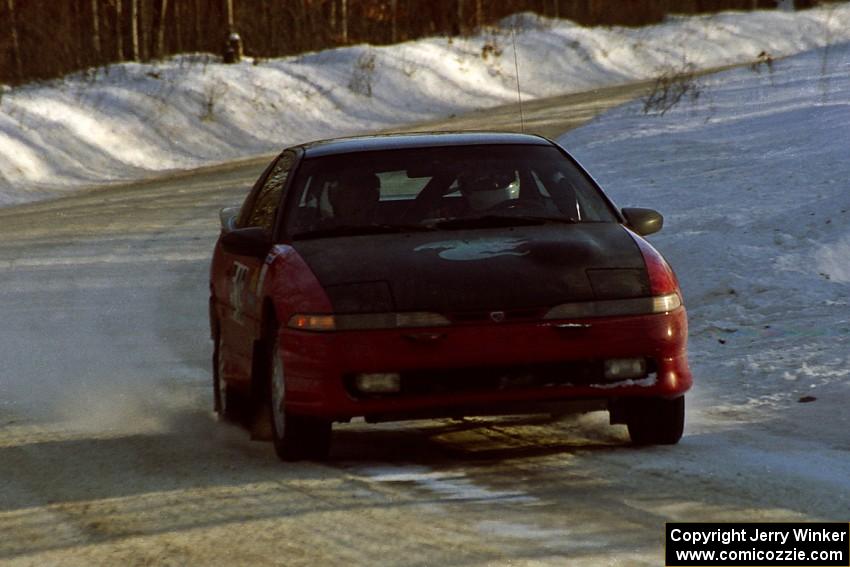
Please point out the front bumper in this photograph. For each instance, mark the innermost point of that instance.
(475, 367)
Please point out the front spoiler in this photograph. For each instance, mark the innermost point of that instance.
(316, 364)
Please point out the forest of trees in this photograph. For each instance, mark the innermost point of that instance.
(49, 38)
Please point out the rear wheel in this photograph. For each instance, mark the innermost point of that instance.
(295, 437)
(225, 399)
(656, 421)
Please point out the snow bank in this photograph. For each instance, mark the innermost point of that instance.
(129, 120)
(753, 181)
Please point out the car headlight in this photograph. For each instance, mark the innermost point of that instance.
(615, 307)
(366, 321)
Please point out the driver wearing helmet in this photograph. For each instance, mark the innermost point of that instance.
(484, 190)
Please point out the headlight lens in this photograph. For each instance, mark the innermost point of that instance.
(307, 322)
(664, 303)
(615, 307)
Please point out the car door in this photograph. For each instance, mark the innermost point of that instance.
(242, 289)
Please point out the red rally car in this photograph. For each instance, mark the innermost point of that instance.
(441, 275)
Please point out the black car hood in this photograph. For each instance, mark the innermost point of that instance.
(471, 270)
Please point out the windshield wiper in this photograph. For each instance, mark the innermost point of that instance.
(357, 230)
(494, 221)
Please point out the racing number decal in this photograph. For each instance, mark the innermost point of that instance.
(241, 280)
(237, 286)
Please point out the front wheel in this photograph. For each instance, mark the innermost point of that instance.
(656, 421)
(295, 437)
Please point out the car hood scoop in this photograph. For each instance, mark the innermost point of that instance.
(452, 271)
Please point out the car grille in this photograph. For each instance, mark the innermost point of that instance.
(493, 379)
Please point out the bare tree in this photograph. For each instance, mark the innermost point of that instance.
(16, 46)
(144, 30)
(344, 16)
(134, 29)
(272, 40)
(159, 25)
(230, 24)
(196, 4)
(119, 35)
(178, 25)
(95, 31)
(300, 20)
(78, 31)
(393, 21)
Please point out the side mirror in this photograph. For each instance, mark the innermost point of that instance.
(250, 241)
(227, 218)
(643, 221)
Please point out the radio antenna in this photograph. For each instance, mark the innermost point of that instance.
(516, 67)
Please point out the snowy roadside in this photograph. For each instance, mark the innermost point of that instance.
(130, 120)
(753, 181)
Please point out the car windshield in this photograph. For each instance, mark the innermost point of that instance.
(440, 188)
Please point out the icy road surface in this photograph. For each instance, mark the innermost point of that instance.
(109, 453)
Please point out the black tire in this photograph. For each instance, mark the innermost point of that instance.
(294, 437)
(656, 421)
(226, 401)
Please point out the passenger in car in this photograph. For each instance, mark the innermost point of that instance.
(354, 199)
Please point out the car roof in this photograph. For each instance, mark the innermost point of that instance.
(417, 140)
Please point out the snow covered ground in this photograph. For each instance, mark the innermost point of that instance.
(129, 120)
(754, 182)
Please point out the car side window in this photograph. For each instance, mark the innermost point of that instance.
(262, 210)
